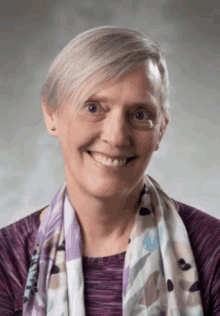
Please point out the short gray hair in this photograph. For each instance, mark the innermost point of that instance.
(97, 57)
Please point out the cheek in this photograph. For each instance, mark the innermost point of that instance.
(77, 137)
(66, 138)
(147, 142)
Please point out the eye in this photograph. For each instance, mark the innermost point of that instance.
(141, 116)
(92, 107)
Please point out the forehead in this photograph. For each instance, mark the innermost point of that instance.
(142, 83)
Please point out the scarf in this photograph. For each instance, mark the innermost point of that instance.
(159, 275)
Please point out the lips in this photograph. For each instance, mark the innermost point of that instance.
(129, 159)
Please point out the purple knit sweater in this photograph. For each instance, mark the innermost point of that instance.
(103, 276)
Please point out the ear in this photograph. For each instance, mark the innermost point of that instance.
(164, 122)
(50, 118)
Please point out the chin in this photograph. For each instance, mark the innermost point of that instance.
(106, 189)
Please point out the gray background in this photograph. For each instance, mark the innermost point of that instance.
(33, 32)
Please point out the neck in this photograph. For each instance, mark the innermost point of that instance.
(104, 219)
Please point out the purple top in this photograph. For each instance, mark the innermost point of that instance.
(103, 276)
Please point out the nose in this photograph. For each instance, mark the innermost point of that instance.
(116, 130)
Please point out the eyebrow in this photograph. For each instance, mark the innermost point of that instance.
(150, 102)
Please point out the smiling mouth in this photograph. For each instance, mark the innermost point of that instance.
(128, 160)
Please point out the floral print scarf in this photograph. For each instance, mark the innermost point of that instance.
(159, 276)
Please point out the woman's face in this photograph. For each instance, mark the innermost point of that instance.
(120, 121)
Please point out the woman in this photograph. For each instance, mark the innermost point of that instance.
(111, 242)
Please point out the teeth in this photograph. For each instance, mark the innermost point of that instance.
(107, 161)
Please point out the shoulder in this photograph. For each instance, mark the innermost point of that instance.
(204, 235)
(190, 211)
(17, 239)
(203, 227)
(16, 246)
(20, 229)
(203, 230)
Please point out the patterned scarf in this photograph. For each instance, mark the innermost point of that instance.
(159, 276)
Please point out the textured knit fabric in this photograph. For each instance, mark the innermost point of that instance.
(103, 276)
